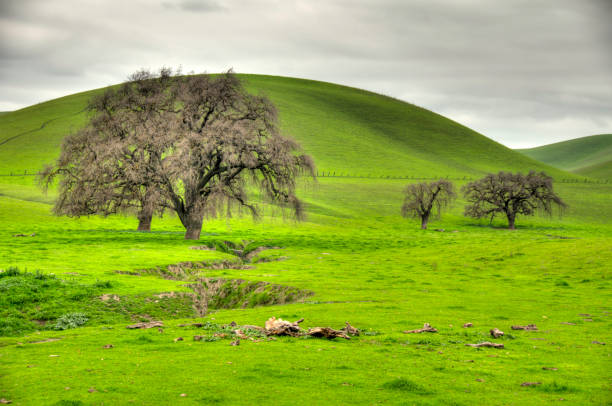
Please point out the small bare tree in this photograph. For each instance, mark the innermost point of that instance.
(424, 198)
(510, 195)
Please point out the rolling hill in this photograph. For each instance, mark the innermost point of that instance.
(588, 156)
(348, 131)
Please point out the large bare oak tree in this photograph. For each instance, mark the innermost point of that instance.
(511, 194)
(192, 144)
(109, 166)
(423, 199)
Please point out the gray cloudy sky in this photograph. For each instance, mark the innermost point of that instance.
(524, 73)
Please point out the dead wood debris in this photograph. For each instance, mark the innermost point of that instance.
(25, 235)
(326, 332)
(5, 401)
(468, 325)
(235, 343)
(597, 342)
(528, 327)
(550, 368)
(496, 333)
(427, 328)
(280, 327)
(350, 330)
(148, 324)
(486, 344)
(531, 383)
(191, 325)
(178, 339)
(107, 346)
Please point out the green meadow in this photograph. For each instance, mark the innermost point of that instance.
(355, 257)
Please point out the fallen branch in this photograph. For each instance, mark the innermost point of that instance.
(496, 333)
(350, 330)
(426, 329)
(528, 327)
(148, 324)
(327, 332)
(280, 327)
(531, 383)
(486, 344)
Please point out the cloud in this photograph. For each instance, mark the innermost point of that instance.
(521, 72)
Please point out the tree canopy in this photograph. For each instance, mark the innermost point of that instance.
(511, 194)
(192, 144)
(423, 199)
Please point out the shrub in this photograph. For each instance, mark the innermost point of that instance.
(70, 320)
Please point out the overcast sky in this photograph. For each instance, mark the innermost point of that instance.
(524, 73)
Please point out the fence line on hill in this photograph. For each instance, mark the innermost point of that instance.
(336, 174)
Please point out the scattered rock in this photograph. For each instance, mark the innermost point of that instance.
(427, 328)
(5, 401)
(531, 383)
(233, 324)
(183, 395)
(479, 380)
(160, 330)
(67, 388)
(91, 390)
(198, 338)
(528, 327)
(106, 297)
(235, 343)
(468, 325)
(486, 344)
(440, 230)
(550, 368)
(53, 355)
(148, 324)
(107, 346)
(178, 339)
(597, 342)
(496, 333)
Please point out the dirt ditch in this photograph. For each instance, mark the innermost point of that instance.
(220, 293)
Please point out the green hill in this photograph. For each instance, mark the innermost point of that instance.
(587, 156)
(348, 131)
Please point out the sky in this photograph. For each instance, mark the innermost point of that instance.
(522, 72)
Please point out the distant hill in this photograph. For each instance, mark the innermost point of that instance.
(348, 131)
(587, 156)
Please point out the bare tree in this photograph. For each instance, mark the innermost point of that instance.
(511, 194)
(226, 142)
(109, 166)
(424, 198)
(193, 144)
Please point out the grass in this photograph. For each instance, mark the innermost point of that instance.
(587, 156)
(364, 263)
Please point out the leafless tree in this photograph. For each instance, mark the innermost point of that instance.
(226, 142)
(424, 198)
(511, 194)
(109, 166)
(193, 144)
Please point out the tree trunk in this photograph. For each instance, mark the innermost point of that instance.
(511, 217)
(194, 228)
(144, 220)
(424, 220)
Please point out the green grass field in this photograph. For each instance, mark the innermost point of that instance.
(587, 156)
(362, 261)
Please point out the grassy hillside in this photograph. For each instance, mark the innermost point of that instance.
(347, 131)
(361, 261)
(588, 156)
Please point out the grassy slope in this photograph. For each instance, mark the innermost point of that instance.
(347, 130)
(589, 156)
(365, 265)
